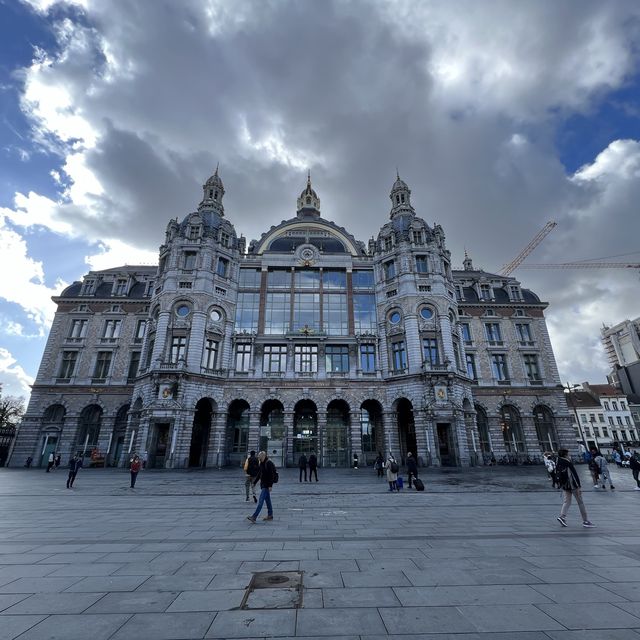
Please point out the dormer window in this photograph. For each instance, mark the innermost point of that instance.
(215, 195)
(485, 292)
(402, 198)
(388, 244)
(417, 237)
(194, 232)
(224, 239)
(120, 288)
(88, 288)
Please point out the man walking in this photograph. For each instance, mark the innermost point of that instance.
(603, 468)
(302, 465)
(268, 476)
(313, 466)
(75, 464)
(634, 463)
(570, 485)
(51, 462)
(412, 468)
(251, 468)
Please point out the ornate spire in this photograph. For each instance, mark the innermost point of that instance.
(308, 202)
(466, 263)
(400, 197)
(213, 191)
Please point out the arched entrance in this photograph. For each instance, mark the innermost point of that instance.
(371, 430)
(88, 430)
(117, 441)
(52, 424)
(406, 429)
(272, 436)
(545, 429)
(305, 428)
(512, 430)
(200, 433)
(486, 445)
(238, 430)
(336, 436)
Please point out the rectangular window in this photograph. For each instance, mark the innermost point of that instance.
(456, 354)
(243, 356)
(614, 405)
(600, 417)
(362, 279)
(178, 348)
(583, 417)
(364, 312)
(514, 291)
(247, 311)
(224, 239)
(499, 366)
(194, 232)
(627, 420)
(523, 331)
(141, 327)
(78, 329)
(249, 279)
(274, 358)
(398, 356)
(471, 366)
(335, 314)
(334, 279)
(606, 405)
(112, 329)
(134, 363)
(531, 367)
(485, 292)
(417, 237)
(605, 432)
(103, 364)
(88, 287)
(592, 417)
(623, 406)
(368, 358)
(305, 358)
(492, 331)
(422, 265)
(68, 364)
(619, 420)
(306, 278)
(185, 285)
(276, 313)
(210, 354)
(189, 260)
(278, 279)
(610, 420)
(223, 268)
(430, 351)
(306, 312)
(151, 344)
(337, 359)
(387, 243)
(465, 329)
(121, 287)
(389, 269)
(459, 293)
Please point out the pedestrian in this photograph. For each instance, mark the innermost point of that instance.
(51, 462)
(634, 463)
(136, 464)
(617, 458)
(251, 468)
(392, 473)
(594, 469)
(58, 460)
(603, 469)
(145, 457)
(570, 485)
(302, 465)
(268, 476)
(28, 462)
(412, 468)
(550, 464)
(313, 465)
(378, 465)
(75, 464)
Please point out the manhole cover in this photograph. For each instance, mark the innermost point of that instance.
(274, 590)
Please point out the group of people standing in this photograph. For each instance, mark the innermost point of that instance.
(311, 463)
(391, 467)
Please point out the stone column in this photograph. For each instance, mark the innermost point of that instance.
(356, 438)
(412, 338)
(420, 423)
(253, 439)
(216, 456)
(160, 343)
(447, 341)
(196, 341)
(321, 429)
(391, 438)
(287, 417)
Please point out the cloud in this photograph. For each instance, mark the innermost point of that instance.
(140, 100)
(15, 380)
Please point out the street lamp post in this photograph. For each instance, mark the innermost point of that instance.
(593, 429)
(570, 389)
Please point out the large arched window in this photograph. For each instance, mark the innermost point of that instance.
(512, 430)
(89, 428)
(545, 429)
(53, 414)
(371, 429)
(305, 425)
(238, 425)
(486, 446)
(336, 437)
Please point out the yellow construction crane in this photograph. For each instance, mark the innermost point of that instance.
(517, 261)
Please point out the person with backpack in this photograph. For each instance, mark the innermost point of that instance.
(550, 464)
(603, 469)
(251, 468)
(392, 473)
(268, 476)
(570, 485)
(634, 464)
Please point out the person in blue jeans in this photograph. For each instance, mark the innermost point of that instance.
(267, 475)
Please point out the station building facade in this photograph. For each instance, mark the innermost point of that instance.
(305, 340)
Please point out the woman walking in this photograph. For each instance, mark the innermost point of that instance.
(570, 485)
(134, 469)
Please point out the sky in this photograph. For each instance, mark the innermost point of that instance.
(500, 116)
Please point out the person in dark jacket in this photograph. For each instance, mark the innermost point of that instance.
(251, 468)
(313, 466)
(634, 463)
(267, 475)
(302, 465)
(412, 468)
(570, 485)
(75, 464)
(378, 465)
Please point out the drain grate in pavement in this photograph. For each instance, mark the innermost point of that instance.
(274, 590)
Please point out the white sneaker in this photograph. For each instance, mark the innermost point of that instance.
(595, 486)
(637, 488)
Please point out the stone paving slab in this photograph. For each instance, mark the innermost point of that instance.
(478, 556)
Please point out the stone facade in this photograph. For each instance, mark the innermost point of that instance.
(307, 340)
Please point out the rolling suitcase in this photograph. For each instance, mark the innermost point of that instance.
(400, 483)
(418, 484)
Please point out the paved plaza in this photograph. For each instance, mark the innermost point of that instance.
(478, 555)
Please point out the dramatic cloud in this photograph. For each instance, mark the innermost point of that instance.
(141, 99)
(15, 380)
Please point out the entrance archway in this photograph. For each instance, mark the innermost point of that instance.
(238, 430)
(272, 436)
(88, 429)
(371, 430)
(512, 430)
(305, 428)
(406, 429)
(117, 441)
(200, 433)
(545, 429)
(336, 436)
(52, 424)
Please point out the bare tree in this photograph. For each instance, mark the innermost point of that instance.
(11, 410)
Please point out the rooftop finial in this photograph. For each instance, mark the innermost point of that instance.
(309, 176)
(397, 173)
(217, 167)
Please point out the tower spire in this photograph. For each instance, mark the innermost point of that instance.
(213, 191)
(308, 202)
(400, 197)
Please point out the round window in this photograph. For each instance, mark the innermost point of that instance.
(183, 310)
(395, 317)
(426, 313)
(215, 315)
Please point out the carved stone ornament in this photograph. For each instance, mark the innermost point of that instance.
(441, 393)
(307, 255)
